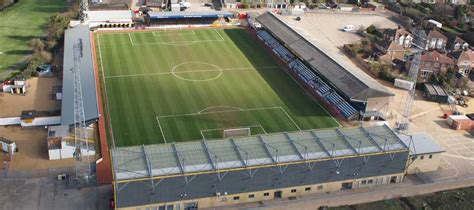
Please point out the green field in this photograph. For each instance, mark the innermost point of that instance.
(183, 85)
(19, 24)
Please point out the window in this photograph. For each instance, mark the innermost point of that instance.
(293, 190)
(421, 157)
(371, 181)
(320, 187)
(236, 198)
(266, 194)
(307, 189)
(251, 196)
(431, 156)
(363, 182)
(393, 179)
(425, 73)
(467, 71)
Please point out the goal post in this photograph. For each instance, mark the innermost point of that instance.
(235, 132)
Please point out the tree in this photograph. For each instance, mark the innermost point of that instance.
(37, 45)
(371, 29)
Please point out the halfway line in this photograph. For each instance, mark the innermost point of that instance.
(190, 71)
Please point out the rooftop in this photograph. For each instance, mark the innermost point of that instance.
(353, 83)
(182, 15)
(435, 90)
(88, 84)
(435, 56)
(112, 15)
(421, 143)
(280, 148)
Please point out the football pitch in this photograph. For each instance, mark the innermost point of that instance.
(184, 85)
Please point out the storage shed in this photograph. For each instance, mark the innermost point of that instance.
(435, 93)
(460, 122)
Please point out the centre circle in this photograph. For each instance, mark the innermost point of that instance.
(197, 67)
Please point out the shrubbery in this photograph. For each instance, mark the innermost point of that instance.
(43, 48)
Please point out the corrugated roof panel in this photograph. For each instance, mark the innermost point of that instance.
(253, 151)
(178, 158)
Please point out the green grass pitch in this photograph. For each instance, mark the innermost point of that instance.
(184, 85)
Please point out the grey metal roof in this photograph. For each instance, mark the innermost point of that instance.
(88, 83)
(200, 156)
(179, 188)
(421, 143)
(435, 90)
(354, 83)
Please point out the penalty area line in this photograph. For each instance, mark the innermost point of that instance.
(161, 129)
(291, 119)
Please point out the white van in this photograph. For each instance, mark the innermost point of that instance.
(348, 28)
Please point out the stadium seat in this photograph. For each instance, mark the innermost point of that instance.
(308, 76)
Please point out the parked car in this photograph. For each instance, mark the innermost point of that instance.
(324, 6)
(348, 28)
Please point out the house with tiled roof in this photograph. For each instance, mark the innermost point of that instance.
(456, 44)
(395, 44)
(436, 40)
(465, 62)
(433, 62)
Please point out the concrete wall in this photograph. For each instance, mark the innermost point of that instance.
(380, 104)
(232, 199)
(424, 163)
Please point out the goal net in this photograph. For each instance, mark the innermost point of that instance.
(236, 132)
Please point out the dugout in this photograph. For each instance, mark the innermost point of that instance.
(230, 171)
(435, 93)
(187, 18)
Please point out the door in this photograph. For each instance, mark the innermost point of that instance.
(278, 194)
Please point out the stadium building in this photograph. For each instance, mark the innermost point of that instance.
(353, 94)
(235, 170)
(249, 169)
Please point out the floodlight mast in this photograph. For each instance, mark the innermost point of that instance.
(83, 7)
(81, 144)
(419, 41)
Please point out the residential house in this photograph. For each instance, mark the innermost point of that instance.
(456, 44)
(433, 62)
(465, 62)
(436, 40)
(395, 44)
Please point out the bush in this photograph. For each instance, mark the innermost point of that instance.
(371, 29)
(37, 45)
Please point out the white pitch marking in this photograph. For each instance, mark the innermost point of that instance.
(180, 43)
(130, 37)
(222, 38)
(161, 33)
(212, 107)
(227, 111)
(105, 88)
(191, 71)
(286, 113)
(161, 129)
